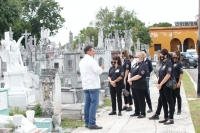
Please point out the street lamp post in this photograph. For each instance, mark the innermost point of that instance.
(198, 83)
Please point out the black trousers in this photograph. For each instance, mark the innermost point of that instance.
(148, 99)
(113, 92)
(176, 94)
(166, 98)
(159, 106)
(139, 101)
(128, 100)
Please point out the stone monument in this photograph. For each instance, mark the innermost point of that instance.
(15, 78)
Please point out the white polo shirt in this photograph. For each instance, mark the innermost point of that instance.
(90, 72)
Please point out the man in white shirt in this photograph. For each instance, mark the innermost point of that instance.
(90, 71)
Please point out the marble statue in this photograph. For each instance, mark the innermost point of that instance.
(45, 33)
(100, 38)
(13, 57)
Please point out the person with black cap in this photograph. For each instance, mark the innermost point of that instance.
(115, 78)
(137, 80)
(127, 67)
(165, 72)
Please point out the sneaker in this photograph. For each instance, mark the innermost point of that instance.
(163, 121)
(129, 109)
(141, 116)
(150, 110)
(179, 112)
(124, 108)
(112, 113)
(154, 117)
(94, 127)
(169, 122)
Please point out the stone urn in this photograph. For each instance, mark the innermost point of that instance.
(30, 115)
(17, 121)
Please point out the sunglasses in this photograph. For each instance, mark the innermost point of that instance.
(174, 57)
(136, 57)
(112, 61)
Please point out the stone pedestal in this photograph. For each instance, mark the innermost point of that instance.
(19, 94)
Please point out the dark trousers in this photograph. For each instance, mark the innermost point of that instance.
(166, 98)
(113, 91)
(128, 100)
(148, 99)
(176, 94)
(139, 100)
(159, 106)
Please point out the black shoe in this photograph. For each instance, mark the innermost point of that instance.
(86, 126)
(150, 110)
(119, 114)
(141, 116)
(179, 112)
(154, 117)
(134, 114)
(169, 122)
(163, 121)
(112, 113)
(129, 109)
(94, 127)
(124, 108)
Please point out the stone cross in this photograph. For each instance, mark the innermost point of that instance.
(10, 34)
(26, 34)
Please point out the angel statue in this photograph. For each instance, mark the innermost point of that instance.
(13, 57)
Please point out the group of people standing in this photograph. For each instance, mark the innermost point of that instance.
(133, 74)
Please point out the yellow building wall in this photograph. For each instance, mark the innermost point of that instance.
(164, 36)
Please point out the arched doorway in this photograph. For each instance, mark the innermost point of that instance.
(188, 43)
(175, 44)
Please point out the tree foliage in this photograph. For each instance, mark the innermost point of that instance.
(119, 19)
(162, 24)
(10, 11)
(30, 15)
(39, 13)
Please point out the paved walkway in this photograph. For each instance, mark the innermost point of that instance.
(127, 124)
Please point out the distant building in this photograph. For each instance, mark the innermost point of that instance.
(182, 36)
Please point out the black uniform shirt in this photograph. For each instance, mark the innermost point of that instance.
(114, 73)
(127, 64)
(139, 69)
(166, 68)
(178, 69)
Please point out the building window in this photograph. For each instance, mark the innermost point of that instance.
(56, 65)
(157, 47)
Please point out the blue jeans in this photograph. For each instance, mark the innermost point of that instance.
(91, 105)
(148, 90)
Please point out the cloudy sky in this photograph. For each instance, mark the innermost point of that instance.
(78, 13)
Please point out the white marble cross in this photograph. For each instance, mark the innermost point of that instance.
(26, 34)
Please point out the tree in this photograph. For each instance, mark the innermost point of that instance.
(39, 13)
(10, 11)
(162, 24)
(119, 19)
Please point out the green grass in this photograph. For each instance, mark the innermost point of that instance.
(16, 110)
(106, 102)
(188, 86)
(67, 123)
(194, 105)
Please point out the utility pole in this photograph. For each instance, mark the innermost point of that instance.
(198, 82)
